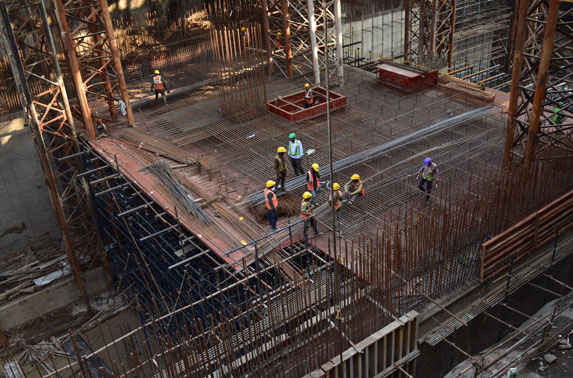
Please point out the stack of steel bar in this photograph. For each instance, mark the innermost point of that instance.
(139, 139)
(178, 192)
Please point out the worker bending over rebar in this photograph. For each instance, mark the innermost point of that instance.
(354, 188)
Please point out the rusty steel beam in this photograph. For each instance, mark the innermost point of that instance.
(286, 32)
(267, 34)
(547, 51)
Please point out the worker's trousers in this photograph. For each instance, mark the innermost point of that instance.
(272, 216)
(281, 176)
(314, 193)
(428, 189)
(309, 222)
(162, 94)
(297, 166)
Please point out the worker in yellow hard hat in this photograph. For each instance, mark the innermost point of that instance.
(313, 182)
(354, 188)
(307, 215)
(337, 199)
(272, 204)
(159, 86)
(279, 40)
(308, 96)
(281, 168)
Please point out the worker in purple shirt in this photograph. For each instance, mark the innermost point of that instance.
(429, 172)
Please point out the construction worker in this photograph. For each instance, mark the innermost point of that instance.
(295, 153)
(429, 172)
(245, 34)
(313, 182)
(272, 203)
(308, 96)
(281, 168)
(354, 188)
(278, 40)
(307, 216)
(337, 198)
(159, 86)
(557, 116)
(101, 127)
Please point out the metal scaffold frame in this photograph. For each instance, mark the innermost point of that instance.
(93, 58)
(296, 37)
(29, 42)
(429, 32)
(541, 94)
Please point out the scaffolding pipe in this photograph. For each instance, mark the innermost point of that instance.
(313, 46)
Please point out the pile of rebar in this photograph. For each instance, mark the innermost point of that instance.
(180, 195)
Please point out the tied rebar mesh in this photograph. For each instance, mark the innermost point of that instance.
(238, 51)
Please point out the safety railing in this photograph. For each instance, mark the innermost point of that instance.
(521, 239)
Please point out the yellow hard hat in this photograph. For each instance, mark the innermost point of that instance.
(315, 167)
(355, 177)
(279, 33)
(335, 186)
(307, 85)
(281, 149)
(270, 184)
(243, 28)
(306, 195)
(156, 72)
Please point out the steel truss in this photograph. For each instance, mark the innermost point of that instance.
(429, 33)
(301, 44)
(28, 39)
(93, 58)
(541, 101)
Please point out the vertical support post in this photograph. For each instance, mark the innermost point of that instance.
(267, 34)
(433, 26)
(515, 80)
(546, 52)
(512, 33)
(452, 32)
(338, 29)
(28, 105)
(287, 48)
(74, 68)
(116, 56)
(406, 4)
(313, 46)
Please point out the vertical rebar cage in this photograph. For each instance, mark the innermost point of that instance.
(239, 53)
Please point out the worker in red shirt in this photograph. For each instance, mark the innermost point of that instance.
(159, 85)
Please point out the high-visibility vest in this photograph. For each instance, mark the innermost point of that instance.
(337, 199)
(281, 166)
(158, 83)
(353, 187)
(310, 184)
(296, 151)
(308, 96)
(428, 172)
(274, 199)
(305, 209)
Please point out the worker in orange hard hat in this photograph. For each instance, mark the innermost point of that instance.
(313, 182)
(308, 96)
(307, 215)
(159, 86)
(281, 168)
(272, 204)
(354, 188)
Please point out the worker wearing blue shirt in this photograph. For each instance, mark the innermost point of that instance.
(295, 153)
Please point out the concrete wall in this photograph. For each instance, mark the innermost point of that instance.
(25, 207)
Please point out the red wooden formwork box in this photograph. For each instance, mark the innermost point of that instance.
(401, 76)
(292, 108)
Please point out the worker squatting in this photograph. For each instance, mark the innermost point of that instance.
(353, 189)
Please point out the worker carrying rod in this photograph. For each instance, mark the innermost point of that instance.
(281, 168)
(307, 215)
(354, 188)
(313, 182)
(308, 96)
(429, 172)
(272, 204)
(159, 85)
